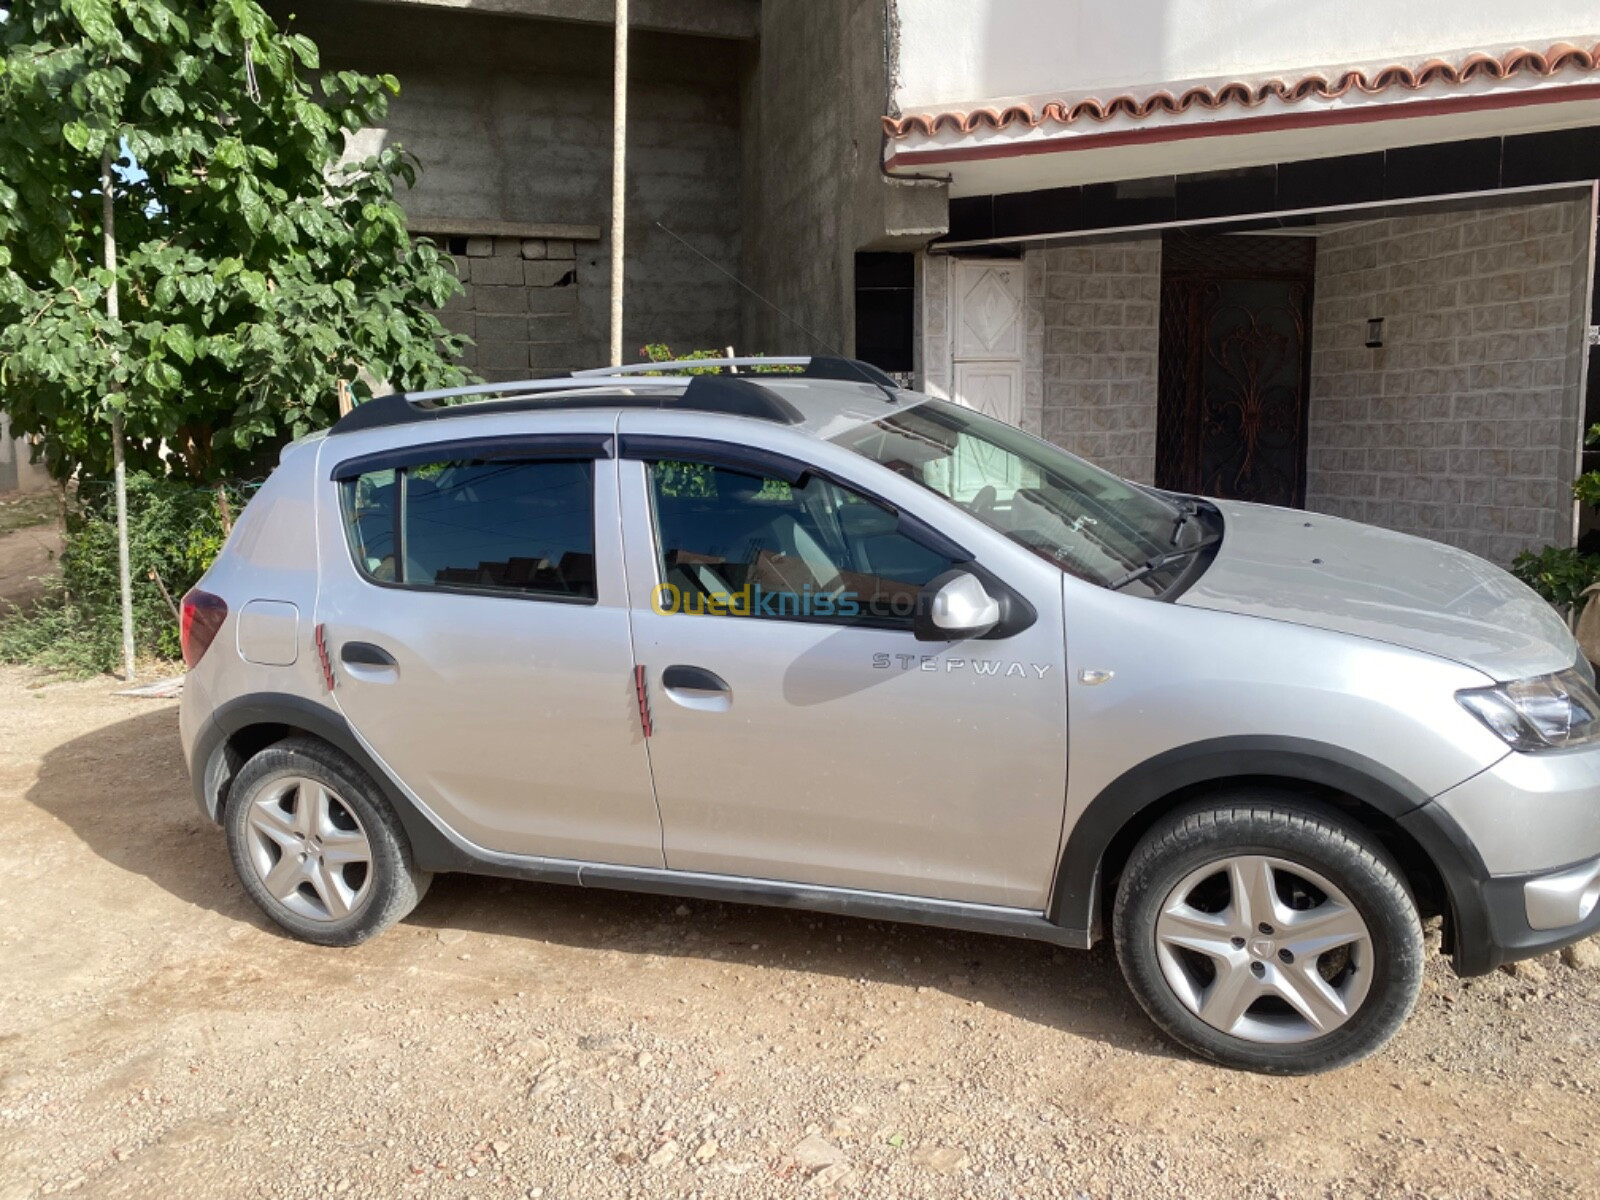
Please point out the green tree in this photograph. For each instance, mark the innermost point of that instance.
(256, 269)
(192, 314)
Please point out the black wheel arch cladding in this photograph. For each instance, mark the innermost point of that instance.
(286, 715)
(1130, 803)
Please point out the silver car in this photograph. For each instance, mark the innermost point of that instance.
(811, 640)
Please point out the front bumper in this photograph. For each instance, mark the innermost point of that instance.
(1518, 850)
(1521, 912)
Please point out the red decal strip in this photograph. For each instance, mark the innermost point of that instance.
(644, 700)
(322, 653)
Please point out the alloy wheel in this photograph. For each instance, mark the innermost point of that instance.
(1264, 949)
(309, 849)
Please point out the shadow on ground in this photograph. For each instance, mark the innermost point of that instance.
(124, 792)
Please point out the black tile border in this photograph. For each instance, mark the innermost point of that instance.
(1403, 173)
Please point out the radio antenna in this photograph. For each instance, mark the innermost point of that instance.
(833, 350)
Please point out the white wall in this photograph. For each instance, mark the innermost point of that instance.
(17, 473)
(955, 52)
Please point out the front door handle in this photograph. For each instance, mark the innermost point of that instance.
(365, 654)
(693, 679)
(697, 688)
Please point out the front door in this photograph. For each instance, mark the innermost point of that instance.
(1235, 366)
(806, 735)
(474, 610)
(986, 342)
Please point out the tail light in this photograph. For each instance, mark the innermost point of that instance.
(203, 615)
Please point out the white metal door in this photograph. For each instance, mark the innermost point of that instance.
(987, 336)
(986, 349)
(994, 389)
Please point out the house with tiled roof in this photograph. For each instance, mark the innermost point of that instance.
(1338, 257)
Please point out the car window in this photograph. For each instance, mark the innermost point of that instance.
(742, 544)
(1082, 519)
(516, 527)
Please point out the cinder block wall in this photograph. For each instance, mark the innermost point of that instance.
(521, 307)
(1101, 324)
(1464, 427)
(511, 119)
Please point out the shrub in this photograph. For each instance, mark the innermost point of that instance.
(174, 529)
(660, 352)
(1559, 575)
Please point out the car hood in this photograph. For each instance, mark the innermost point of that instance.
(1334, 574)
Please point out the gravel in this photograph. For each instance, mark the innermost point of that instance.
(157, 1037)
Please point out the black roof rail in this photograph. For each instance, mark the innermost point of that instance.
(852, 370)
(732, 395)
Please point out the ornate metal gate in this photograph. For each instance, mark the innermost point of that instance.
(1235, 366)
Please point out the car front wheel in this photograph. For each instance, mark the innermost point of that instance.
(1269, 936)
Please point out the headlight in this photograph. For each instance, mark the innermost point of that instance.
(1546, 713)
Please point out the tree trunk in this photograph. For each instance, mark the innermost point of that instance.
(119, 462)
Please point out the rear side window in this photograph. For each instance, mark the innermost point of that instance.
(495, 527)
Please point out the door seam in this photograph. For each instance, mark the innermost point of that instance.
(639, 681)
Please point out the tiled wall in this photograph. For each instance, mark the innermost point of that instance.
(1100, 320)
(1464, 427)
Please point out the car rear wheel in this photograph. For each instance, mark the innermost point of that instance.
(1269, 936)
(317, 846)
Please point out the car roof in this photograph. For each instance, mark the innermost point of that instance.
(816, 396)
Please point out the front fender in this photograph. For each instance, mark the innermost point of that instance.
(1135, 797)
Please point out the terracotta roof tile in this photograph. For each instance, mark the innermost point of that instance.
(1371, 82)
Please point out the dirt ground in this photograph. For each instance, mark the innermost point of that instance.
(30, 544)
(158, 1038)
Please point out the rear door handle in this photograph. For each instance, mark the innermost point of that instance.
(365, 654)
(697, 688)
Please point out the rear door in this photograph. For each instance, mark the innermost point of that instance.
(474, 610)
(800, 732)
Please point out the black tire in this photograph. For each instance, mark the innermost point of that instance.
(1284, 828)
(390, 887)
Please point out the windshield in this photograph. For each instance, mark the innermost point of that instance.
(1085, 520)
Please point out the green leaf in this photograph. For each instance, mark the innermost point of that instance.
(94, 17)
(229, 152)
(254, 285)
(197, 289)
(166, 100)
(178, 339)
(305, 50)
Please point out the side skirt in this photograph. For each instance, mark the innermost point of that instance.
(733, 889)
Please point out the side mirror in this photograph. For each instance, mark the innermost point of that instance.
(955, 605)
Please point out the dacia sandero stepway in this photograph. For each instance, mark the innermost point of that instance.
(801, 637)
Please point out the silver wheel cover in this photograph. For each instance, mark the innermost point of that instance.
(1253, 966)
(308, 849)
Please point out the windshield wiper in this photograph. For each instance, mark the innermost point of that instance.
(1163, 560)
(1188, 510)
